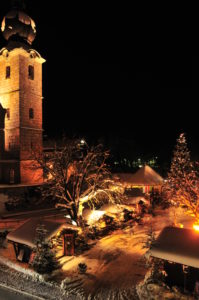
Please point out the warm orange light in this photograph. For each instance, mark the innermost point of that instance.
(95, 216)
(196, 227)
(181, 225)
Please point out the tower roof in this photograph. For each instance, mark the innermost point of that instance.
(18, 26)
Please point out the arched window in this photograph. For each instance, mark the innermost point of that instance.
(31, 113)
(31, 72)
(12, 176)
(8, 113)
(7, 72)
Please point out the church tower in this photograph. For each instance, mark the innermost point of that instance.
(20, 101)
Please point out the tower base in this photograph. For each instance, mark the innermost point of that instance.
(20, 172)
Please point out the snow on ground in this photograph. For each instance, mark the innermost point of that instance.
(14, 279)
(116, 261)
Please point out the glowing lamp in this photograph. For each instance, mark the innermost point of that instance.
(196, 227)
(95, 216)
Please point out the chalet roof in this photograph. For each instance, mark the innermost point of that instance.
(178, 245)
(26, 233)
(144, 176)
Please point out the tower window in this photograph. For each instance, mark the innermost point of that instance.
(7, 72)
(8, 113)
(31, 113)
(31, 72)
(12, 175)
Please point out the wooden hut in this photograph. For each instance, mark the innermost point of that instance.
(179, 249)
(145, 179)
(23, 238)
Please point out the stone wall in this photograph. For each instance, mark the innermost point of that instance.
(22, 138)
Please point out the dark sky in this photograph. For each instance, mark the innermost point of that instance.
(117, 74)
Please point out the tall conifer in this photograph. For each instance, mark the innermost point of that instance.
(44, 261)
(181, 167)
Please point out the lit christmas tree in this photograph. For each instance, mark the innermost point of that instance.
(181, 167)
(182, 185)
(44, 261)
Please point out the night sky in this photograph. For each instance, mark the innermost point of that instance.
(116, 75)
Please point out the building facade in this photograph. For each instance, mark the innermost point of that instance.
(20, 102)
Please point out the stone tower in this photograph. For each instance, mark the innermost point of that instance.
(20, 101)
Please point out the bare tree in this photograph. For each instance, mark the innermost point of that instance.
(77, 175)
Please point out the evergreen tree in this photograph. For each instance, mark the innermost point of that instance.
(44, 261)
(182, 185)
(181, 167)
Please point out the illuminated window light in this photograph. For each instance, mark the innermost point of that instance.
(196, 226)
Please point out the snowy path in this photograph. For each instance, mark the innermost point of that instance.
(116, 261)
(19, 281)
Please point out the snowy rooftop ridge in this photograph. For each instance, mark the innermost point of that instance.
(26, 233)
(178, 245)
(144, 176)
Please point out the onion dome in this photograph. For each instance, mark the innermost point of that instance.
(18, 26)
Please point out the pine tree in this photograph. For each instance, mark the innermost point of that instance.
(181, 167)
(182, 185)
(44, 261)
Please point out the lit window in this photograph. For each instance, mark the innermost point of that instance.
(7, 72)
(31, 113)
(31, 72)
(8, 113)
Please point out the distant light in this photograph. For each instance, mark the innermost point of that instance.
(82, 142)
(196, 227)
(181, 225)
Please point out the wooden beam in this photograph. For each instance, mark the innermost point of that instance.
(15, 249)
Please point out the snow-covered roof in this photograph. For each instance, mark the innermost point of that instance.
(178, 245)
(144, 176)
(26, 233)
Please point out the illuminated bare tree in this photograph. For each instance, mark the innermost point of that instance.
(79, 175)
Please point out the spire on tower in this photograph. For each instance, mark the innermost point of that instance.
(17, 25)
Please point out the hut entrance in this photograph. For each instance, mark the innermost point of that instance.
(69, 244)
(22, 252)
